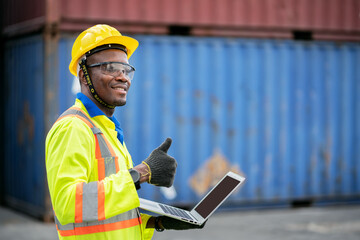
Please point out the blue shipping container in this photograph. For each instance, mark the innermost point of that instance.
(24, 169)
(282, 113)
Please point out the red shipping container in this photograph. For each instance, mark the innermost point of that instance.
(328, 19)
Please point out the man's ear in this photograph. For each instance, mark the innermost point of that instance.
(82, 77)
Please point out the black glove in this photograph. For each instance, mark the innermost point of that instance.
(171, 223)
(162, 166)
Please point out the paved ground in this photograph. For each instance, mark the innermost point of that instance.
(315, 223)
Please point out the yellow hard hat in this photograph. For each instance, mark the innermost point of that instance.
(99, 35)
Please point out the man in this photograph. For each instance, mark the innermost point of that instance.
(92, 182)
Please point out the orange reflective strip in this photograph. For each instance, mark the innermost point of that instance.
(116, 164)
(85, 120)
(101, 168)
(97, 148)
(100, 228)
(79, 109)
(101, 201)
(65, 233)
(100, 160)
(79, 202)
(80, 117)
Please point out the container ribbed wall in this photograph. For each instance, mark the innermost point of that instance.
(293, 14)
(325, 19)
(334, 19)
(283, 113)
(20, 11)
(24, 168)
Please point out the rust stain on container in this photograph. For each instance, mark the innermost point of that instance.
(211, 172)
(325, 154)
(25, 125)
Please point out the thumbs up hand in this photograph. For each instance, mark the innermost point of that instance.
(162, 166)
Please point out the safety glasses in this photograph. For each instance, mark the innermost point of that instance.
(115, 69)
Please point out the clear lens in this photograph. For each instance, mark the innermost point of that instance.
(116, 68)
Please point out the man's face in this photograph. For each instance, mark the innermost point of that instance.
(112, 90)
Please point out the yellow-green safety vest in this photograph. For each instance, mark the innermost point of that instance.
(92, 192)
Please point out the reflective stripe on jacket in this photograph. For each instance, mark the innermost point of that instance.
(92, 192)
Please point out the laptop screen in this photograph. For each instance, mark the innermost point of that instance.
(216, 196)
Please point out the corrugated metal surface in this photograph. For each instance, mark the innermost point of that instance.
(68, 85)
(283, 113)
(19, 14)
(205, 15)
(328, 19)
(24, 167)
(18, 11)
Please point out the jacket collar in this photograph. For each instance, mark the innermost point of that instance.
(94, 111)
(90, 106)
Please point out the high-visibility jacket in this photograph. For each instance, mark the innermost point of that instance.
(92, 192)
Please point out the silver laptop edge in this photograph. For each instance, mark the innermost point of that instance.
(154, 207)
(197, 218)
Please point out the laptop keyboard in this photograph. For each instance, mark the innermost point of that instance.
(175, 211)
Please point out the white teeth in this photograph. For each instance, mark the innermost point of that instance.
(120, 88)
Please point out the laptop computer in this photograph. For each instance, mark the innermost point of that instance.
(205, 208)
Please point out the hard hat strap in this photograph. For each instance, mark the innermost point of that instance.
(91, 85)
(106, 47)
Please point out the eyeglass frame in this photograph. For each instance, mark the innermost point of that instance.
(103, 63)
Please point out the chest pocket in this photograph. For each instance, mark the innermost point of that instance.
(106, 158)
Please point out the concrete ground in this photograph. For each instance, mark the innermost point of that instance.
(314, 223)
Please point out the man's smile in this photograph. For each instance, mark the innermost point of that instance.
(120, 88)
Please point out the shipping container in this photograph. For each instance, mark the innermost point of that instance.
(24, 170)
(20, 16)
(282, 113)
(320, 19)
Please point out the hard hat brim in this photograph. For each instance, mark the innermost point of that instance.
(130, 43)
